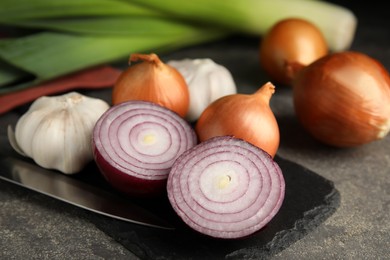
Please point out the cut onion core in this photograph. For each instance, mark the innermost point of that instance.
(135, 144)
(226, 188)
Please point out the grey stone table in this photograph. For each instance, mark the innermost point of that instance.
(33, 226)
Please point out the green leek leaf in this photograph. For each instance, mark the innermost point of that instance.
(38, 9)
(108, 26)
(10, 74)
(48, 55)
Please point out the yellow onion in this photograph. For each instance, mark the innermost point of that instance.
(289, 45)
(343, 99)
(154, 81)
(245, 116)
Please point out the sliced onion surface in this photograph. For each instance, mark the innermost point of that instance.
(226, 188)
(135, 144)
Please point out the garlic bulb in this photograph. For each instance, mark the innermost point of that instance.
(206, 80)
(56, 131)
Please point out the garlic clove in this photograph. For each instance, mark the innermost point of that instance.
(13, 142)
(206, 80)
(56, 131)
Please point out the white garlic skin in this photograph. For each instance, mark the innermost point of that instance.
(206, 80)
(56, 131)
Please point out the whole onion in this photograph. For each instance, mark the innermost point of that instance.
(343, 99)
(290, 45)
(135, 144)
(245, 116)
(226, 188)
(154, 81)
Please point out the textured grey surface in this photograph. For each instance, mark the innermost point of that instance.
(309, 200)
(360, 228)
(33, 226)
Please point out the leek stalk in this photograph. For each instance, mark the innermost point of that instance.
(338, 24)
(71, 35)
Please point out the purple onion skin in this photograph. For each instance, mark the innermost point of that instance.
(129, 185)
(232, 217)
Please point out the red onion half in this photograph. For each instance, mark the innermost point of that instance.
(135, 144)
(226, 188)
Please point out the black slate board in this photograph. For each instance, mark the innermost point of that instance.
(309, 200)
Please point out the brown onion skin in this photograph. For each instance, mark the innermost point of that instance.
(289, 45)
(343, 99)
(245, 116)
(153, 81)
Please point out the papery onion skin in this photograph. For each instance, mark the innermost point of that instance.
(135, 144)
(128, 184)
(154, 81)
(245, 116)
(343, 99)
(288, 46)
(226, 188)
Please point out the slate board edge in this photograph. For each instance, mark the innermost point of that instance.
(285, 238)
